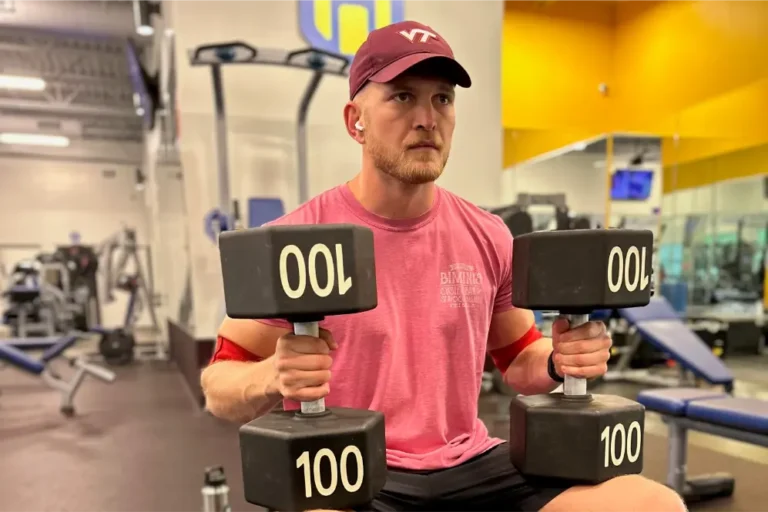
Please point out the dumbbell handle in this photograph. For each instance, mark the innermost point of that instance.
(310, 329)
(575, 386)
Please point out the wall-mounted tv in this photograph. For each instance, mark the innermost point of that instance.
(631, 184)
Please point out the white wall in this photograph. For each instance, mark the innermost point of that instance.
(172, 255)
(43, 201)
(262, 105)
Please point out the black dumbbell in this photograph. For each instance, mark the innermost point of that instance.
(316, 458)
(575, 435)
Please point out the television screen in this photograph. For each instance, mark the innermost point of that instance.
(631, 185)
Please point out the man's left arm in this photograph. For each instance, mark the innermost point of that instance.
(522, 354)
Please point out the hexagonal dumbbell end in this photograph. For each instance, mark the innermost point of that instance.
(587, 439)
(336, 460)
(298, 273)
(582, 270)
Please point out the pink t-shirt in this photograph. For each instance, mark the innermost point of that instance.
(418, 357)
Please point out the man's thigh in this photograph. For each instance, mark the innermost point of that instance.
(490, 482)
(404, 490)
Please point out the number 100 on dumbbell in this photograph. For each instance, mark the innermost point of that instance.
(576, 435)
(315, 458)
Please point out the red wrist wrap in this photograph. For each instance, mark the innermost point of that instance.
(503, 357)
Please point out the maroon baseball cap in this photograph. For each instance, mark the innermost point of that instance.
(390, 51)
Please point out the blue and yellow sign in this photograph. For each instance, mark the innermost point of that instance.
(341, 26)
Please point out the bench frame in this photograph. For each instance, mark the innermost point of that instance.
(68, 388)
(677, 454)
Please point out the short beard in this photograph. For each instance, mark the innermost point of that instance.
(404, 169)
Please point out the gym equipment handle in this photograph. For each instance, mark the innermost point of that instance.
(575, 386)
(310, 329)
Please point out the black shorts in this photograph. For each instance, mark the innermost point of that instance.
(488, 482)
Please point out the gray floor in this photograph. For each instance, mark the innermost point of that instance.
(139, 444)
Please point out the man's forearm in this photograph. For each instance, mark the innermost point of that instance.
(240, 391)
(528, 372)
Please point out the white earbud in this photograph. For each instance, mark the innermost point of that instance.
(359, 126)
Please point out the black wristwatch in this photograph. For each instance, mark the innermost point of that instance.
(551, 369)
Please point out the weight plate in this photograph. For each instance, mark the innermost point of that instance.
(116, 347)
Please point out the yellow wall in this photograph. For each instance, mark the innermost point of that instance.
(672, 55)
(735, 120)
(738, 164)
(554, 56)
(696, 69)
(522, 145)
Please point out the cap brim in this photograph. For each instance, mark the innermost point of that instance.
(448, 67)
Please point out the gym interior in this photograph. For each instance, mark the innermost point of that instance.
(126, 132)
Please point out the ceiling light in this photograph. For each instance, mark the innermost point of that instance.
(24, 83)
(142, 16)
(145, 30)
(34, 139)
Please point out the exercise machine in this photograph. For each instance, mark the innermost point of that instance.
(122, 270)
(58, 294)
(226, 215)
(40, 299)
(520, 220)
(216, 55)
(28, 309)
(12, 351)
(81, 263)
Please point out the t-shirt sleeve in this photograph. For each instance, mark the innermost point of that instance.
(503, 300)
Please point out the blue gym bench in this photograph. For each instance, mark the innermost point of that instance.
(714, 410)
(12, 352)
(710, 411)
(661, 326)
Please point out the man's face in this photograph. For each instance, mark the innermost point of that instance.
(409, 125)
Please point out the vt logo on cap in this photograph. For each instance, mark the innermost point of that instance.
(424, 35)
(341, 26)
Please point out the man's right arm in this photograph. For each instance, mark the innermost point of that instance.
(244, 386)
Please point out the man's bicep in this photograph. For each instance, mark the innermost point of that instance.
(258, 338)
(509, 326)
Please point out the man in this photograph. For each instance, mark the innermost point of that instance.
(444, 300)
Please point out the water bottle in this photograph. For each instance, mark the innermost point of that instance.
(215, 491)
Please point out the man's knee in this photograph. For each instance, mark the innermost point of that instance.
(650, 495)
(631, 493)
